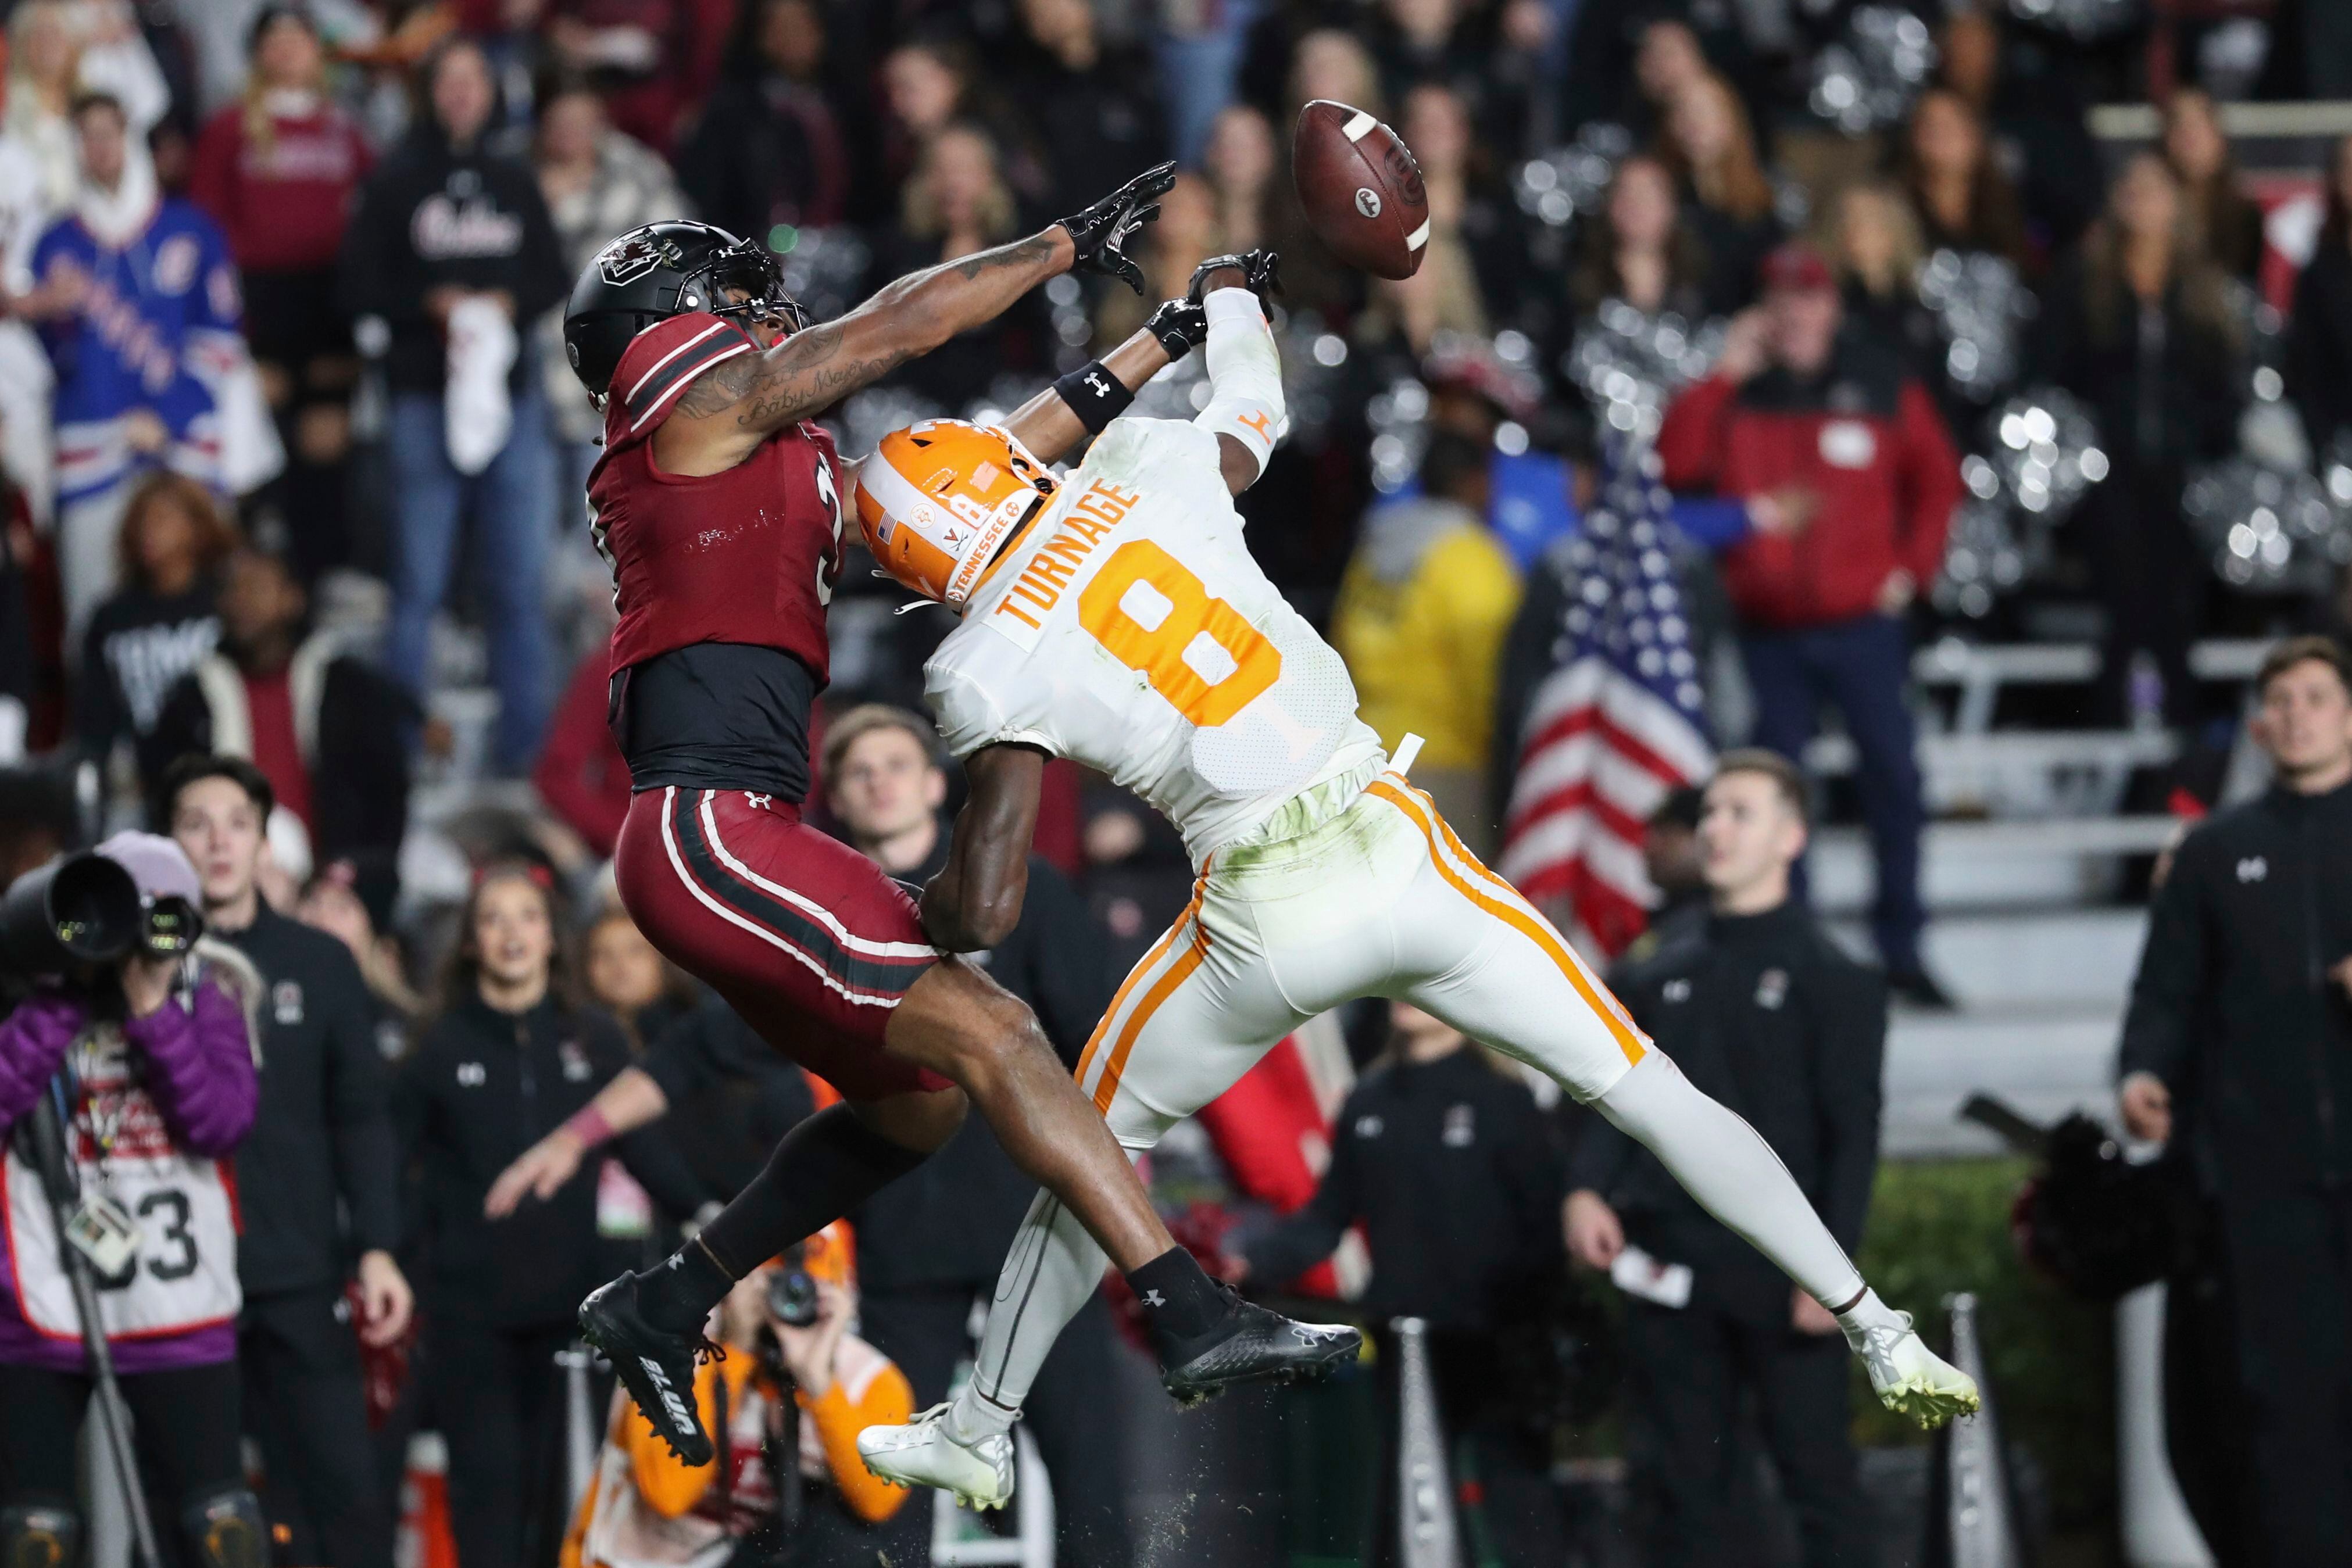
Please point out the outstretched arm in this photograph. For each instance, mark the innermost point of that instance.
(1050, 428)
(975, 901)
(739, 402)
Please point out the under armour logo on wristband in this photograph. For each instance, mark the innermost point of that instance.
(1101, 387)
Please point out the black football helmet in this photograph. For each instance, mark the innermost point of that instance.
(661, 270)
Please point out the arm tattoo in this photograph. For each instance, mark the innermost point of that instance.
(798, 377)
(1027, 253)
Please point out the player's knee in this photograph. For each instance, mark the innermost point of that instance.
(1000, 1034)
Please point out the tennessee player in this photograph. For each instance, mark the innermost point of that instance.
(1123, 623)
(719, 508)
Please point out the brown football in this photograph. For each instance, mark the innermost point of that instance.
(1361, 189)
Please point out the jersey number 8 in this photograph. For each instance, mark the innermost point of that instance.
(1158, 619)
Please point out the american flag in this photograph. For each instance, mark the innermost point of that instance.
(1618, 723)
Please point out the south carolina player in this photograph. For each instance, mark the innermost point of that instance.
(720, 509)
(1125, 625)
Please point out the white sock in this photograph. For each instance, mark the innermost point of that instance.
(1722, 1160)
(1053, 1268)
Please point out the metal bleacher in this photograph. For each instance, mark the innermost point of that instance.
(2024, 876)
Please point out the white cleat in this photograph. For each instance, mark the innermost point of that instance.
(1910, 1378)
(922, 1453)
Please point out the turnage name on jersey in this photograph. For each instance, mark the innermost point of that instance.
(1039, 587)
(1131, 632)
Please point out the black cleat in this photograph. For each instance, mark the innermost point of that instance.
(1252, 1344)
(655, 1365)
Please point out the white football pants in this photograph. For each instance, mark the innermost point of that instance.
(1375, 898)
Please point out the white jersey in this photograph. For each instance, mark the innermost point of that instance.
(1131, 629)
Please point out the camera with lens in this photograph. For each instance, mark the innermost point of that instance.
(82, 913)
(792, 1290)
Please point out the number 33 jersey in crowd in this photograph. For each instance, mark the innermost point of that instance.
(1129, 629)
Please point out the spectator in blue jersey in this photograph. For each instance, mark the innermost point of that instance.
(453, 251)
(136, 299)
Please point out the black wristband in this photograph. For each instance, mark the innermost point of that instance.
(1094, 395)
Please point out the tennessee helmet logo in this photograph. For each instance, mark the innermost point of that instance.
(631, 256)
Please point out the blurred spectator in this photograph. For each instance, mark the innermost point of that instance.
(510, 1055)
(27, 447)
(1091, 107)
(1441, 1154)
(650, 60)
(2237, 1053)
(1241, 162)
(316, 1184)
(805, 1390)
(1640, 247)
(629, 978)
(279, 172)
(781, 141)
(2027, 87)
(337, 900)
(161, 621)
(2214, 204)
(933, 1241)
(1763, 1010)
(597, 183)
(1630, 61)
(956, 203)
(322, 725)
(133, 291)
(1186, 233)
(453, 248)
(159, 1067)
(926, 85)
(1833, 429)
(58, 49)
(2319, 333)
(1422, 615)
(1707, 141)
(1962, 199)
(1879, 250)
(1470, 239)
(2136, 324)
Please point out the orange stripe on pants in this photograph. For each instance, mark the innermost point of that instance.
(1612, 1015)
(1159, 951)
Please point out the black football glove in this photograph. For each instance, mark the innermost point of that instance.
(1261, 273)
(1101, 232)
(1181, 325)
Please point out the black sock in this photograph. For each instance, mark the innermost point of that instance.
(824, 1168)
(679, 1294)
(1180, 1300)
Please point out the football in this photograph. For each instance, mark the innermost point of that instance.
(1361, 189)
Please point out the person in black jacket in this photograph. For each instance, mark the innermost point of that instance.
(509, 1057)
(935, 1239)
(1455, 1175)
(2237, 1051)
(1763, 1012)
(321, 724)
(2319, 333)
(162, 618)
(2136, 325)
(450, 236)
(316, 1184)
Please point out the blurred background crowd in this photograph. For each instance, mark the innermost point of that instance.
(1952, 396)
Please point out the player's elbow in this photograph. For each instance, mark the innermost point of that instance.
(989, 920)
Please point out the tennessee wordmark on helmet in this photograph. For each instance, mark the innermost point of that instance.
(937, 501)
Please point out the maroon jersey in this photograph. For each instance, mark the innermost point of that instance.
(749, 556)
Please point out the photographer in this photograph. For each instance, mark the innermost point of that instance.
(317, 1182)
(786, 1328)
(153, 1063)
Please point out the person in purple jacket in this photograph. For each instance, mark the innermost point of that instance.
(156, 1065)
